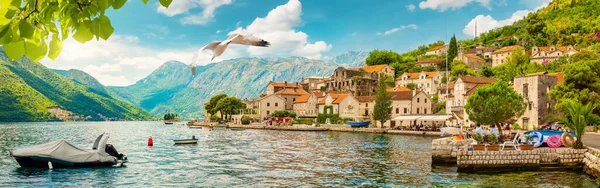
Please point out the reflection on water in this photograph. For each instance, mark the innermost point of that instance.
(250, 158)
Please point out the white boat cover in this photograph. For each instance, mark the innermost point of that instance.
(450, 131)
(63, 150)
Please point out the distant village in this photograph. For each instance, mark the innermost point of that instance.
(351, 91)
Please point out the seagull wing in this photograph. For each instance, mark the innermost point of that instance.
(211, 46)
(248, 40)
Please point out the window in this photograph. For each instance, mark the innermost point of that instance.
(418, 100)
(425, 111)
(425, 100)
(367, 105)
(405, 110)
(268, 104)
(275, 104)
(525, 90)
(558, 54)
(294, 99)
(417, 110)
(530, 105)
(268, 112)
(397, 110)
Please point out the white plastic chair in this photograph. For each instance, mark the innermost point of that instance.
(514, 143)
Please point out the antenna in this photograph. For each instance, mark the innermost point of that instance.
(447, 75)
(475, 28)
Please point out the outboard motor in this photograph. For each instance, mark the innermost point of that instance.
(111, 150)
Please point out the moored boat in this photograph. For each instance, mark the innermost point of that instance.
(358, 123)
(61, 154)
(186, 141)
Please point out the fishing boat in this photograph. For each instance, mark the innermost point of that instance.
(168, 123)
(62, 154)
(356, 124)
(186, 141)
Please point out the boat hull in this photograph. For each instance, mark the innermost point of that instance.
(186, 141)
(42, 162)
(359, 124)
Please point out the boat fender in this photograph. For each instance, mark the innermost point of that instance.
(567, 139)
(50, 165)
(554, 141)
(150, 142)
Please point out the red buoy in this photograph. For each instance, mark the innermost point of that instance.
(150, 142)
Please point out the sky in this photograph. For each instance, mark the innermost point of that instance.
(147, 35)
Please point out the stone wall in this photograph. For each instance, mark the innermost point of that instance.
(444, 150)
(592, 162)
(517, 160)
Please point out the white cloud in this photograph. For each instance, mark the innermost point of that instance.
(184, 7)
(122, 60)
(487, 22)
(443, 5)
(411, 7)
(277, 28)
(402, 27)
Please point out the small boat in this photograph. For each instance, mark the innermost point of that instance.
(62, 154)
(358, 123)
(186, 141)
(236, 129)
(168, 123)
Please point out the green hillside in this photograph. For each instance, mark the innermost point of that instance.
(28, 88)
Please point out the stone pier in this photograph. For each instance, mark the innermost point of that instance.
(591, 162)
(444, 150)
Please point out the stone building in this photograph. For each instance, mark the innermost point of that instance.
(438, 50)
(290, 95)
(354, 81)
(547, 54)
(407, 103)
(463, 88)
(379, 69)
(305, 106)
(366, 105)
(266, 105)
(499, 56)
(426, 81)
(472, 60)
(343, 104)
(535, 88)
(278, 86)
(485, 52)
(431, 62)
(443, 89)
(312, 84)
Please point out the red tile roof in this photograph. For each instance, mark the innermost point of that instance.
(363, 99)
(436, 48)
(375, 68)
(403, 95)
(337, 98)
(282, 84)
(477, 79)
(416, 75)
(302, 99)
(559, 75)
(509, 49)
(398, 89)
(475, 57)
(292, 91)
(319, 94)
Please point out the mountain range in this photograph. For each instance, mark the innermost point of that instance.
(172, 88)
(28, 89)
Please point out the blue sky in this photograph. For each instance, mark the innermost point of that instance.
(147, 35)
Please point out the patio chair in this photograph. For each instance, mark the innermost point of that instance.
(514, 143)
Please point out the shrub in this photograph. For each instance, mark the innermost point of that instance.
(245, 120)
(516, 126)
(478, 138)
(305, 121)
(493, 138)
(215, 118)
(333, 118)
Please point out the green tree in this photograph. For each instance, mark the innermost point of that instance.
(411, 86)
(486, 71)
(212, 108)
(31, 27)
(378, 57)
(517, 64)
(581, 82)
(460, 68)
(383, 103)
(229, 106)
(576, 116)
(494, 104)
(389, 81)
(452, 49)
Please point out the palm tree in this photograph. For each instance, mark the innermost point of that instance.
(576, 117)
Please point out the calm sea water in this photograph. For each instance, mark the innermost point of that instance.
(251, 158)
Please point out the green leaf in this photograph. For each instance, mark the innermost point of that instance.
(145, 1)
(5, 34)
(105, 28)
(15, 49)
(34, 51)
(117, 4)
(103, 4)
(15, 4)
(165, 3)
(26, 29)
(83, 34)
(55, 48)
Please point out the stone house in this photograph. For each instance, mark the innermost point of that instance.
(463, 88)
(438, 50)
(311, 84)
(431, 62)
(535, 88)
(343, 104)
(305, 106)
(273, 87)
(426, 81)
(366, 105)
(290, 95)
(449, 88)
(352, 80)
(379, 69)
(547, 54)
(485, 52)
(407, 103)
(499, 56)
(472, 60)
(265, 106)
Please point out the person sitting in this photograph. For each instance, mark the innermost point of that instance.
(479, 129)
(193, 137)
(493, 130)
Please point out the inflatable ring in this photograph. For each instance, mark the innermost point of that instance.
(538, 138)
(567, 139)
(554, 141)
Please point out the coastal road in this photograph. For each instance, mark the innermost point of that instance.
(592, 140)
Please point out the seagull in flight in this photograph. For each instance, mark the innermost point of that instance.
(218, 47)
